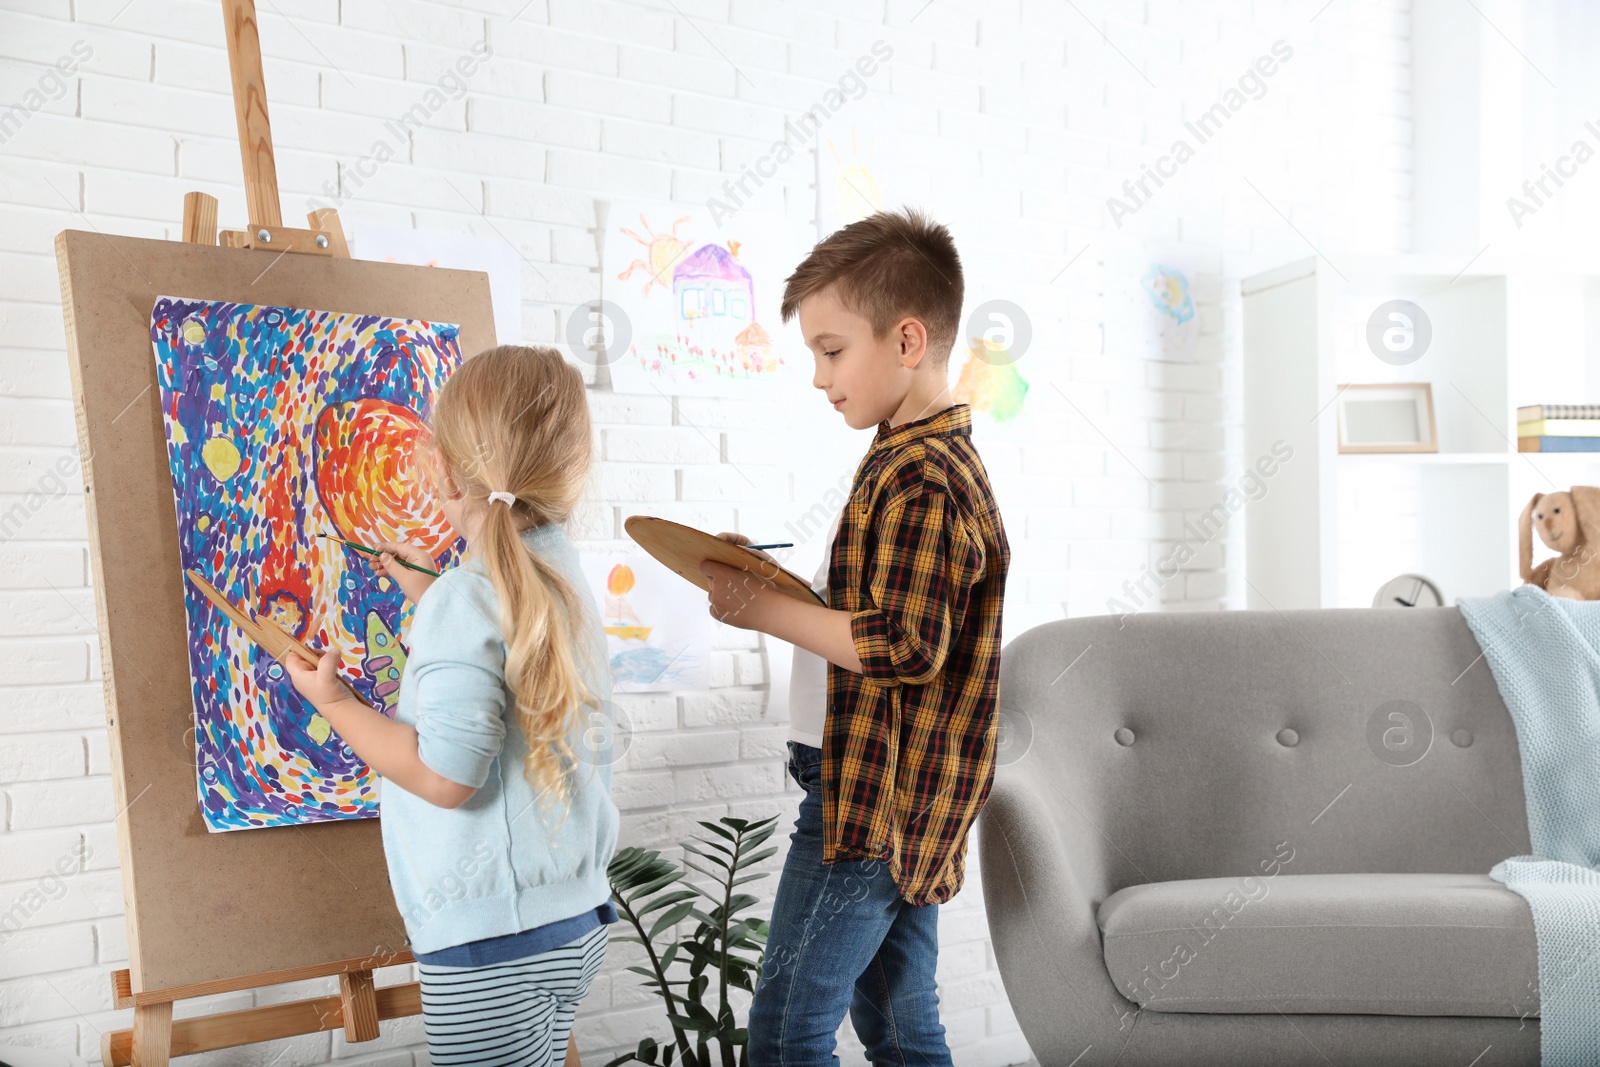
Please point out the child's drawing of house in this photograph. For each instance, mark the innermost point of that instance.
(715, 297)
(755, 349)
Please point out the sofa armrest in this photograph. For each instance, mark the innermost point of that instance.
(1042, 882)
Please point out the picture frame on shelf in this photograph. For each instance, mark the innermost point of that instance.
(1387, 417)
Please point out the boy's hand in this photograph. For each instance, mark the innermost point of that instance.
(412, 583)
(318, 683)
(738, 597)
(741, 539)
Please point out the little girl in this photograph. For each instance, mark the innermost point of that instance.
(498, 822)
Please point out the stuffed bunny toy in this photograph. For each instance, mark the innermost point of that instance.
(1569, 523)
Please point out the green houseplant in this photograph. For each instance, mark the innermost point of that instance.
(692, 975)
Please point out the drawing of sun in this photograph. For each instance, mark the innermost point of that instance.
(662, 250)
(855, 190)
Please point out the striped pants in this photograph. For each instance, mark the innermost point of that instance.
(514, 1014)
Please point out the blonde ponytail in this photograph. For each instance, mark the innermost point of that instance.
(515, 419)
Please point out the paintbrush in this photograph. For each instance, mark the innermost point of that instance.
(375, 552)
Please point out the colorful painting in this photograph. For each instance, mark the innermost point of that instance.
(283, 425)
(658, 626)
(856, 169)
(989, 381)
(847, 182)
(700, 301)
(1150, 312)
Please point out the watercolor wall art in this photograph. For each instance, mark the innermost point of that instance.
(284, 424)
(989, 381)
(700, 301)
(658, 628)
(1150, 310)
(857, 172)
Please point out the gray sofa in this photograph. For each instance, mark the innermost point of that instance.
(1259, 838)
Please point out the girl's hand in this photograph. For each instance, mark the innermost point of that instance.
(412, 583)
(318, 683)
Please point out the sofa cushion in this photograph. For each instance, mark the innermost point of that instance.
(1377, 944)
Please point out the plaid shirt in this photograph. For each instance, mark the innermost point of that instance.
(920, 563)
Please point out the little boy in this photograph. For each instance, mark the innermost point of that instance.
(911, 635)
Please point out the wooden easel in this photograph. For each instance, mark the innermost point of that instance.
(155, 1038)
(359, 1006)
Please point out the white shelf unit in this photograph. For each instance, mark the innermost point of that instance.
(1333, 527)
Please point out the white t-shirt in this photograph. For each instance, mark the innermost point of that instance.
(808, 678)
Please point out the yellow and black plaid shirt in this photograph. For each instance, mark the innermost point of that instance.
(920, 563)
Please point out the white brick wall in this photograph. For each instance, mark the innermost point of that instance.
(1016, 119)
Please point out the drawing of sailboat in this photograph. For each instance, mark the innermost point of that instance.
(621, 620)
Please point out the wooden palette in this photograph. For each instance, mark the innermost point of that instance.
(262, 630)
(682, 548)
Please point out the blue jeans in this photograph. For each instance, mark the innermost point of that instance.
(843, 939)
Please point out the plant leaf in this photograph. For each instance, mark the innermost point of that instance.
(756, 857)
(661, 881)
(713, 875)
(723, 861)
(665, 900)
(727, 849)
(698, 952)
(719, 831)
(671, 917)
(706, 893)
(623, 861)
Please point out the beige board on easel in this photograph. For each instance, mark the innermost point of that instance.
(208, 907)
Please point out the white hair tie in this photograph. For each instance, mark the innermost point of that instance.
(504, 496)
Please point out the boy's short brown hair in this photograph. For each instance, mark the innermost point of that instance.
(888, 265)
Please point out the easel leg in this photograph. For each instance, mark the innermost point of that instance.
(200, 218)
(360, 1003)
(152, 1034)
(572, 1054)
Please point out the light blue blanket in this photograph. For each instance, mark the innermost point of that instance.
(1544, 653)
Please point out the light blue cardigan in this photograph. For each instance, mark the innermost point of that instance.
(500, 863)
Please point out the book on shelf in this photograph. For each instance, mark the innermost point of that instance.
(1559, 428)
(1558, 444)
(1535, 412)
